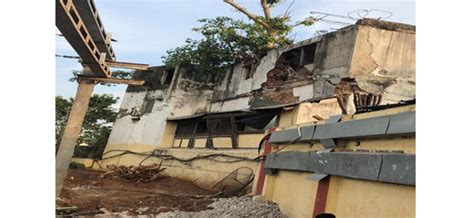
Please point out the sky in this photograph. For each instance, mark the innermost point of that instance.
(146, 29)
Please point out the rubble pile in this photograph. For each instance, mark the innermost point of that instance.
(232, 207)
(135, 174)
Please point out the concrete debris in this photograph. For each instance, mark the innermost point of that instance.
(232, 207)
(352, 98)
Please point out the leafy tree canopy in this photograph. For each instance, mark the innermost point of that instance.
(120, 74)
(97, 123)
(227, 41)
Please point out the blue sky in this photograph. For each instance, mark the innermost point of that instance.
(145, 29)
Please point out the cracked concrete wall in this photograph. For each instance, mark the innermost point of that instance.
(230, 105)
(380, 59)
(231, 92)
(303, 92)
(333, 60)
(151, 125)
(144, 131)
(384, 62)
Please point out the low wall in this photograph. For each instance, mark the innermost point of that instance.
(203, 172)
(301, 196)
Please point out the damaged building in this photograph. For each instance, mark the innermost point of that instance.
(360, 72)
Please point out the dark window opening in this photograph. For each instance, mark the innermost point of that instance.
(220, 126)
(298, 57)
(201, 128)
(256, 123)
(185, 128)
(308, 54)
(247, 71)
(293, 58)
(226, 125)
(169, 77)
(149, 106)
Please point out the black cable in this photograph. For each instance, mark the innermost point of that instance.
(171, 157)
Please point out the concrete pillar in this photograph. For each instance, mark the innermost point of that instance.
(72, 131)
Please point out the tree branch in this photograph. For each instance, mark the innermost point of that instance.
(249, 15)
(307, 22)
(287, 11)
(266, 9)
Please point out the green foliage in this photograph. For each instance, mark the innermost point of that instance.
(96, 127)
(120, 74)
(74, 165)
(227, 41)
(63, 106)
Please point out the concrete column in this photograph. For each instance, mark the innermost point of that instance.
(72, 131)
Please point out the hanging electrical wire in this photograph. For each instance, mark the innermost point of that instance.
(68, 56)
(368, 13)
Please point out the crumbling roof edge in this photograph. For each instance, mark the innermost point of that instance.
(292, 104)
(388, 25)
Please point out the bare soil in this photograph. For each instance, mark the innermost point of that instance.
(88, 191)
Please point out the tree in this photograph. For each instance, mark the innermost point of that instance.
(227, 41)
(120, 74)
(97, 123)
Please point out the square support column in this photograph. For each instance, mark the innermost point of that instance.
(72, 131)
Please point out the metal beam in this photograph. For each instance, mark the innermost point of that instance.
(127, 65)
(90, 17)
(73, 28)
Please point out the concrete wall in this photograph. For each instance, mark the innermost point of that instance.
(204, 172)
(380, 56)
(346, 197)
(333, 60)
(384, 62)
(380, 59)
(149, 129)
(351, 197)
(144, 131)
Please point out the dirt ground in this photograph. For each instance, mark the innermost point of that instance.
(91, 193)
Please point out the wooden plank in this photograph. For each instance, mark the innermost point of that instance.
(127, 65)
